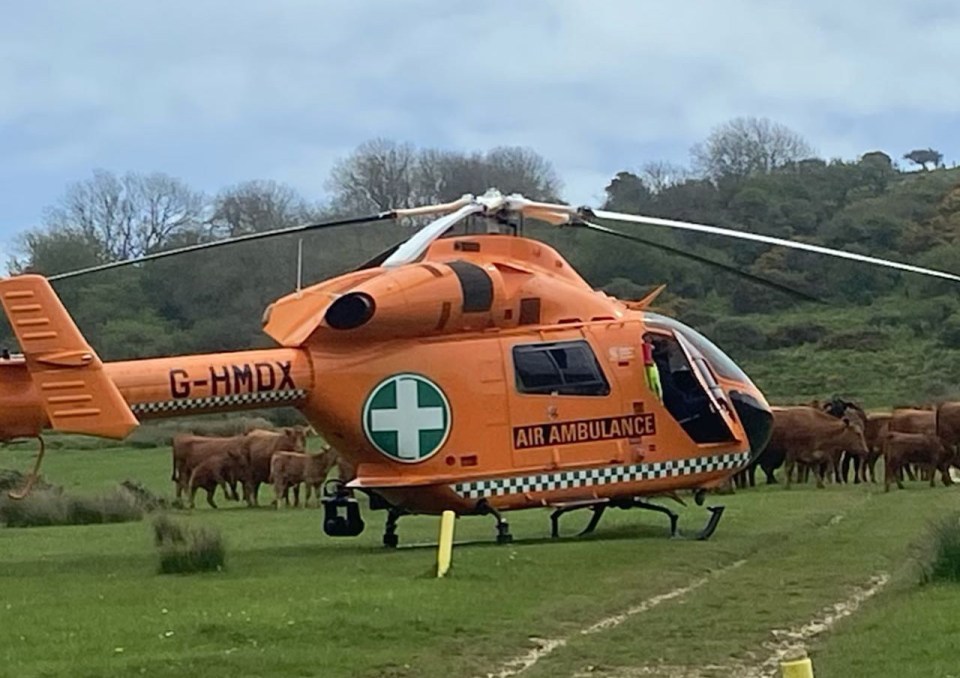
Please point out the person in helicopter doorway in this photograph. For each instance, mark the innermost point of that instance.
(681, 394)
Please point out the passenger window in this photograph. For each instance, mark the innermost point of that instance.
(567, 368)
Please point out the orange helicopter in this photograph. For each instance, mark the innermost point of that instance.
(475, 372)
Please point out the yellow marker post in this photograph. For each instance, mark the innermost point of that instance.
(445, 548)
(797, 668)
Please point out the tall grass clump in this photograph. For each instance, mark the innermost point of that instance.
(184, 549)
(47, 507)
(942, 559)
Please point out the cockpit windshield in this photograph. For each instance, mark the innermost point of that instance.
(719, 361)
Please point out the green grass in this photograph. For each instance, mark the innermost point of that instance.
(87, 600)
(909, 365)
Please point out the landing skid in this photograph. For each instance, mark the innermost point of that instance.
(599, 507)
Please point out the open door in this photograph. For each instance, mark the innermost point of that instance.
(690, 392)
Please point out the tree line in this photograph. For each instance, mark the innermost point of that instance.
(749, 173)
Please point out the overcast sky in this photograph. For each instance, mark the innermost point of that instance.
(219, 92)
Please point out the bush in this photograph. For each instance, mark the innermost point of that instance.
(53, 507)
(184, 549)
(862, 340)
(942, 562)
(147, 500)
(733, 333)
(950, 331)
(795, 334)
(11, 479)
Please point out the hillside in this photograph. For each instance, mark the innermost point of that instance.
(879, 336)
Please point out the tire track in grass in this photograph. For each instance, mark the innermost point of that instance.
(793, 641)
(546, 646)
(787, 643)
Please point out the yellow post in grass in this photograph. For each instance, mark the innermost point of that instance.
(797, 668)
(445, 549)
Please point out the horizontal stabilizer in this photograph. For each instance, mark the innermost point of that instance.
(75, 391)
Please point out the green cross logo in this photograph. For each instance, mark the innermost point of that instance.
(407, 417)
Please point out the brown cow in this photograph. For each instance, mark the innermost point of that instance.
(947, 424)
(289, 469)
(817, 439)
(873, 434)
(259, 447)
(913, 420)
(190, 450)
(217, 469)
(923, 449)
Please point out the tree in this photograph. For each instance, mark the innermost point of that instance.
(745, 146)
(257, 206)
(378, 175)
(659, 175)
(627, 192)
(923, 156)
(381, 174)
(128, 216)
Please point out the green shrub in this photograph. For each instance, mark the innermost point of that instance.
(167, 531)
(942, 561)
(858, 340)
(11, 479)
(147, 500)
(733, 333)
(795, 334)
(950, 331)
(52, 507)
(184, 549)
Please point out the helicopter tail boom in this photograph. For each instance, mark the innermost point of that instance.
(59, 382)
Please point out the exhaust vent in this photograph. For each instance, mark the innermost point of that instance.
(350, 311)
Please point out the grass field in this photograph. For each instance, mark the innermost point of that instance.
(627, 601)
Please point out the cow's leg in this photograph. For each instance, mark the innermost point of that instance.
(193, 494)
(788, 472)
(842, 471)
(820, 473)
(908, 469)
(278, 491)
(210, 490)
(296, 495)
(768, 471)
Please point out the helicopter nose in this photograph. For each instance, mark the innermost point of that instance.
(757, 420)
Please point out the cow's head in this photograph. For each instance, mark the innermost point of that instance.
(852, 436)
(293, 438)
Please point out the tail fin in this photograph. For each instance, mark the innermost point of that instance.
(76, 393)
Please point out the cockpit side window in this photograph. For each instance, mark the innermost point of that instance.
(719, 360)
(565, 368)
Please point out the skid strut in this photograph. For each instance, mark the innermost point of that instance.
(390, 538)
(503, 528)
(599, 507)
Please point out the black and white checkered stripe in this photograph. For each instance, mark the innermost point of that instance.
(267, 398)
(562, 480)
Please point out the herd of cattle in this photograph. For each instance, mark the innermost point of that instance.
(826, 439)
(277, 458)
(830, 438)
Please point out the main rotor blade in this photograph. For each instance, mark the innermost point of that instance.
(770, 240)
(759, 280)
(380, 216)
(419, 242)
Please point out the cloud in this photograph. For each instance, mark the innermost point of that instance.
(218, 92)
